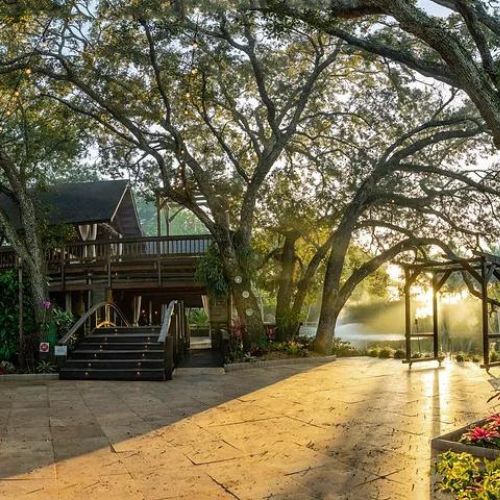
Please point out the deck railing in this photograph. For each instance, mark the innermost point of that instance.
(117, 250)
(7, 258)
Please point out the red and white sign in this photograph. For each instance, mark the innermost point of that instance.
(44, 347)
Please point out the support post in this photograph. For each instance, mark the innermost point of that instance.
(158, 215)
(435, 316)
(484, 303)
(21, 312)
(407, 288)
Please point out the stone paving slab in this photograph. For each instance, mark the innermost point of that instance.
(358, 428)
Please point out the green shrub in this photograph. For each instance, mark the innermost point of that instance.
(9, 315)
(373, 352)
(494, 356)
(461, 357)
(475, 358)
(464, 477)
(291, 347)
(399, 354)
(343, 348)
(385, 352)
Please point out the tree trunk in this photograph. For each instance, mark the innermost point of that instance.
(240, 284)
(249, 313)
(36, 263)
(329, 304)
(39, 291)
(286, 322)
(323, 342)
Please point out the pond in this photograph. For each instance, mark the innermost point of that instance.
(360, 336)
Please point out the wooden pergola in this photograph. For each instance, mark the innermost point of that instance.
(482, 268)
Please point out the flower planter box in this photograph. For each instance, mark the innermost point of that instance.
(451, 442)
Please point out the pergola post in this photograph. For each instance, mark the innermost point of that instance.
(407, 314)
(435, 315)
(484, 303)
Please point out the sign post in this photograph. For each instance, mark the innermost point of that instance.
(61, 354)
(44, 350)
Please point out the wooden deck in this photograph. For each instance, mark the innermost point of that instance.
(127, 263)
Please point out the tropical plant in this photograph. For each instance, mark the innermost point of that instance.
(45, 367)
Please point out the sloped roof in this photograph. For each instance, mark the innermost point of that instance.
(74, 203)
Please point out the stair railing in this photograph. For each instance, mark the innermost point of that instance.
(173, 335)
(94, 319)
(167, 339)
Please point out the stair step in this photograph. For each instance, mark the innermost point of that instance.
(127, 364)
(111, 374)
(146, 330)
(118, 354)
(117, 337)
(125, 346)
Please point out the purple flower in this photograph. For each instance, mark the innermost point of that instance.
(46, 304)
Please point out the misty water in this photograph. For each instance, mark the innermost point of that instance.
(383, 324)
(356, 334)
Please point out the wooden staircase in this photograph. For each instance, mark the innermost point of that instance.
(107, 351)
(117, 353)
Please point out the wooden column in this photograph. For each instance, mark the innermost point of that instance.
(21, 312)
(407, 288)
(158, 215)
(435, 315)
(484, 303)
(68, 302)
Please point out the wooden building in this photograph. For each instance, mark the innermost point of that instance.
(107, 258)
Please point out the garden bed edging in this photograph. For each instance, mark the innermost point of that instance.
(229, 367)
(29, 377)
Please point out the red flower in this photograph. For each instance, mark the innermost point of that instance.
(481, 434)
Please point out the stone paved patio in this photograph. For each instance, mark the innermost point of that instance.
(357, 428)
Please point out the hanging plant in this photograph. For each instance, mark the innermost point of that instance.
(210, 272)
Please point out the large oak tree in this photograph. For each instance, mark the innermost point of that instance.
(461, 50)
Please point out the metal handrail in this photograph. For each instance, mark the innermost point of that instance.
(74, 329)
(167, 320)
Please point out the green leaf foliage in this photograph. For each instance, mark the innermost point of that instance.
(9, 315)
(210, 272)
(464, 476)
